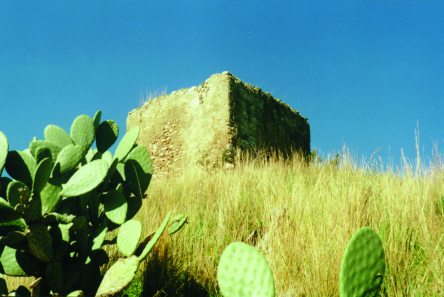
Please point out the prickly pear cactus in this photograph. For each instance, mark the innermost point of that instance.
(363, 265)
(243, 271)
(64, 197)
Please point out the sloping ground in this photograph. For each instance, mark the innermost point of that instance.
(300, 218)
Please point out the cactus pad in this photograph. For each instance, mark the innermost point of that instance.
(243, 271)
(38, 145)
(15, 262)
(363, 265)
(10, 220)
(106, 135)
(128, 237)
(40, 242)
(96, 119)
(86, 179)
(155, 237)
(108, 157)
(17, 192)
(41, 153)
(115, 206)
(99, 236)
(57, 135)
(138, 180)
(141, 155)
(126, 143)
(118, 276)
(50, 197)
(82, 131)
(4, 147)
(177, 222)
(42, 175)
(21, 166)
(68, 158)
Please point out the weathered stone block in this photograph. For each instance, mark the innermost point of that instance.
(206, 124)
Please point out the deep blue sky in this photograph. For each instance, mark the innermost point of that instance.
(363, 72)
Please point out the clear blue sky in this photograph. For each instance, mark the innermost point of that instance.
(363, 72)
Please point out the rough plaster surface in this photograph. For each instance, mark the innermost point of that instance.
(206, 124)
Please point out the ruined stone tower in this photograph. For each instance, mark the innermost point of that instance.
(206, 124)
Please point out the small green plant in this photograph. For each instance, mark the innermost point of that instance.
(243, 271)
(62, 203)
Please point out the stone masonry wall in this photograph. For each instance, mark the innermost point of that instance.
(205, 124)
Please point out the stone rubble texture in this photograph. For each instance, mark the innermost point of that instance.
(206, 125)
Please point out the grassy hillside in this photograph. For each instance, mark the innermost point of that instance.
(300, 217)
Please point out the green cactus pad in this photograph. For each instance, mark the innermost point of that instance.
(4, 147)
(177, 222)
(40, 242)
(89, 155)
(57, 135)
(68, 159)
(10, 220)
(42, 153)
(115, 206)
(42, 175)
(34, 211)
(128, 237)
(118, 276)
(17, 192)
(99, 236)
(142, 156)
(363, 265)
(86, 179)
(82, 131)
(64, 231)
(96, 119)
(155, 237)
(37, 146)
(15, 262)
(108, 157)
(106, 135)
(50, 197)
(21, 166)
(121, 169)
(126, 144)
(243, 271)
(138, 180)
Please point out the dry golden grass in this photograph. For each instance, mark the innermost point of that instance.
(301, 217)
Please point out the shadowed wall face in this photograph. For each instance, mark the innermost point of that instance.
(206, 124)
